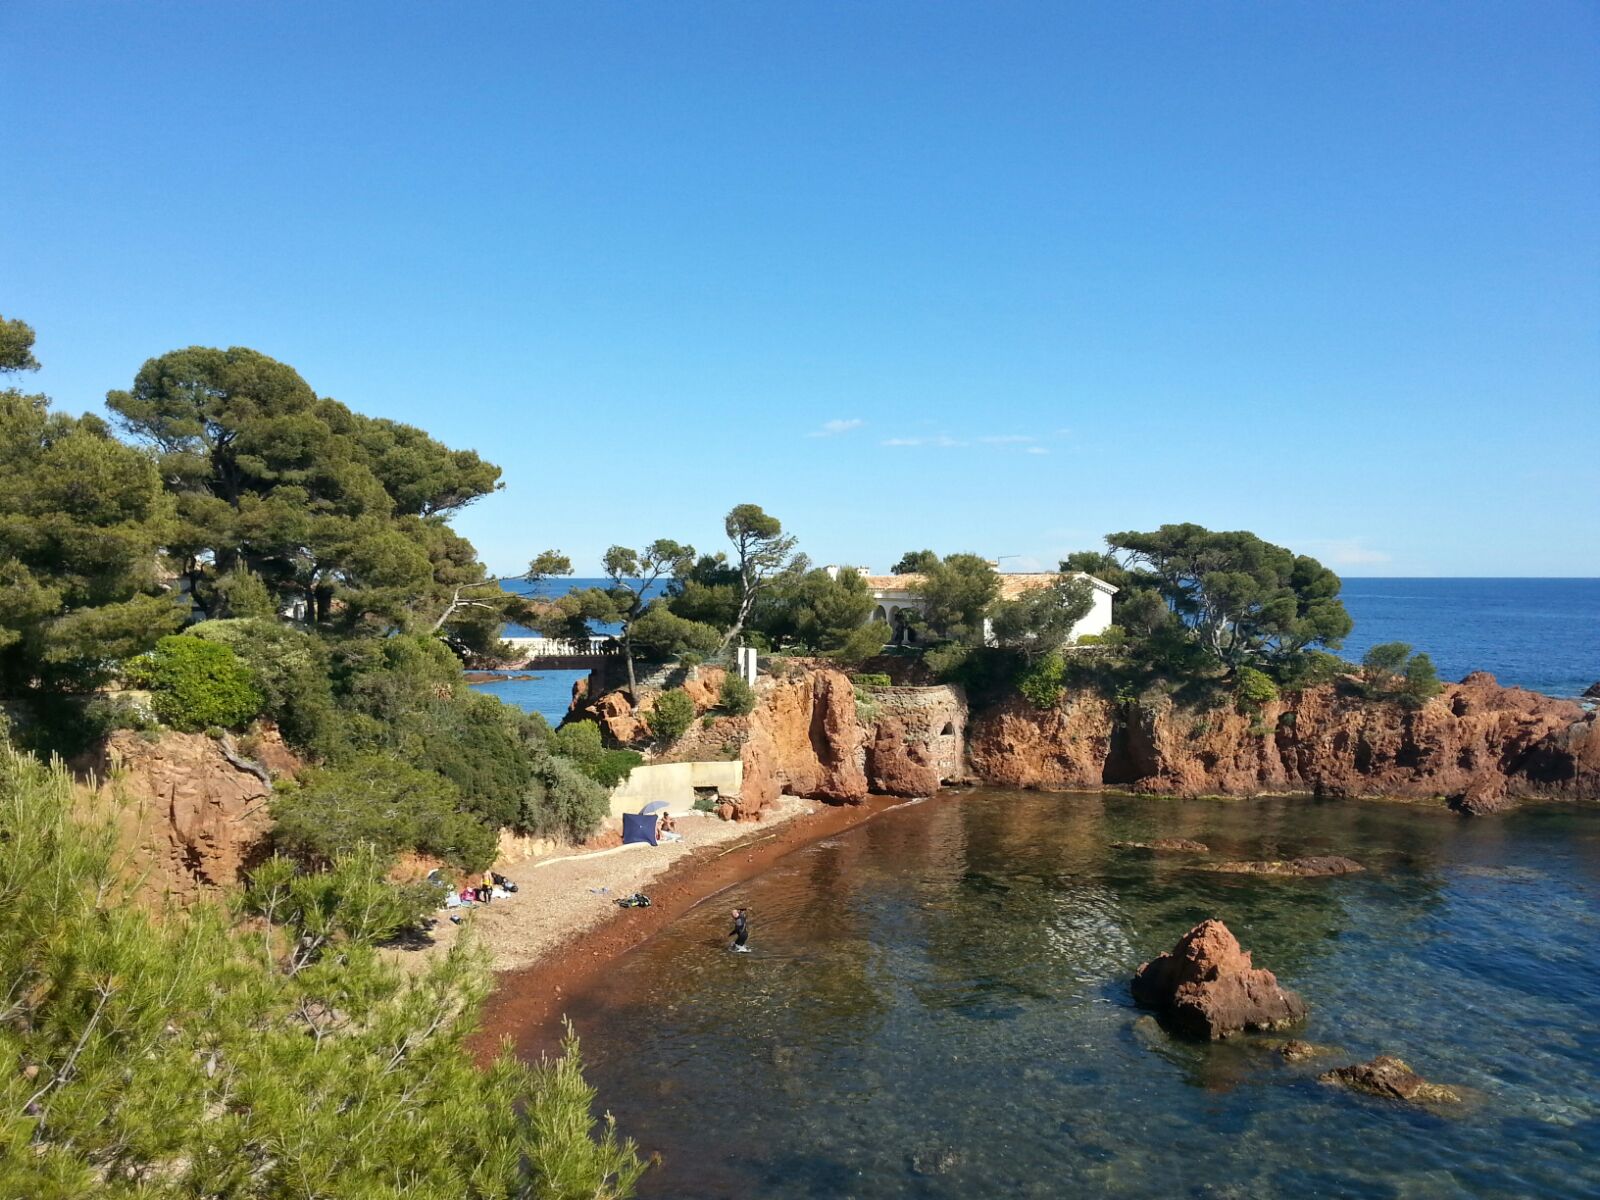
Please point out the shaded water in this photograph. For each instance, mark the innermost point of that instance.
(937, 1006)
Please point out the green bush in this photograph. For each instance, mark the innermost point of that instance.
(1041, 682)
(196, 683)
(1253, 690)
(580, 742)
(292, 669)
(671, 715)
(561, 801)
(871, 681)
(737, 698)
(1114, 635)
(376, 800)
(1421, 681)
(220, 1052)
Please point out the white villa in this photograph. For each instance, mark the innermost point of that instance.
(896, 595)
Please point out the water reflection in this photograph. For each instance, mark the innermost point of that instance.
(937, 1006)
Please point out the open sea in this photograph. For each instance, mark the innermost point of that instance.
(1542, 634)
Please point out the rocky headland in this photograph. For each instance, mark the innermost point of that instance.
(1477, 746)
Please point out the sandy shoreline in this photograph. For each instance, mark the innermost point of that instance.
(558, 934)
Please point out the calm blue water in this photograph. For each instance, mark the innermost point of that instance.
(937, 1006)
(1542, 634)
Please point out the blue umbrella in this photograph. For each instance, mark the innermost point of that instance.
(653, 806)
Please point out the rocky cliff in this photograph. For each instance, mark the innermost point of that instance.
(192, 810)
(1478, 744)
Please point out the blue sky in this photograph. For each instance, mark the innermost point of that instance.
(1000, 277)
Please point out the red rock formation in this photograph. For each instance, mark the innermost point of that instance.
(803, 738)
(190, 819)
(1207, 987)
(898, 765)
(1475, 736)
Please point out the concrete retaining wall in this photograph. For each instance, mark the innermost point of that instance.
(675, 783)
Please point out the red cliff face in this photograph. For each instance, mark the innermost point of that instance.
(190, 818)
(1477, 743)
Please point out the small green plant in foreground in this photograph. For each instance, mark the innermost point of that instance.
(737, 698)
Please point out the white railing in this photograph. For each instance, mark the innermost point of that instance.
(543, 647)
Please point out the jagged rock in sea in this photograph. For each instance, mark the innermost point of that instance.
(1390, 1077)
(1320, 864)
(1207, 987)
(1592, 692)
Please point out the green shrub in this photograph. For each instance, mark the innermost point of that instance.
(1041, 682)
(376, 800)
(292, 668)
(859, 644)
(1421, 681)
(1253, 690)
(1113, 636)
(867, 709)
(706, 803)
(871, 681)
(580, 742)
(737, 698)
(561, 801)
(671, 715)
(196, 683)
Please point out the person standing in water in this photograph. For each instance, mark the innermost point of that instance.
(740, 933)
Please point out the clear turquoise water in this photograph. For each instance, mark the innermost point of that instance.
(937, 1006)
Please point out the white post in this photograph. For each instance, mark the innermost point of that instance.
(747, 664)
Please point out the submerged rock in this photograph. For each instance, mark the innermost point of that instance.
(1321, 864)
(1166, 846)
(1208, 987)
(1390, 1077)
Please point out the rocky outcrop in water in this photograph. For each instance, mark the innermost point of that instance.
(1476, 739)
(191, 815)
(1391, 1078)
(1207, 987)
(1319, 864)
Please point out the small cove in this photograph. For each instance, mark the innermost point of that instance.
(937, 1006)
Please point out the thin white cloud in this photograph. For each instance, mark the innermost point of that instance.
(943, 441)
(1035, 450)
(837, 426)
(1006, 439)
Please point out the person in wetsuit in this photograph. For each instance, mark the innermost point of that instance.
(740, 933)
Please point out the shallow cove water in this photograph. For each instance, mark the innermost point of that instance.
(937, 1006)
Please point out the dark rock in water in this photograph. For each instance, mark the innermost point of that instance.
(1324, 864)
(1485, 796)
(1208, 988)
(1294, 1050)
(1592, 692)
(933, 1160)
(1166, 846)
(1390, 1077)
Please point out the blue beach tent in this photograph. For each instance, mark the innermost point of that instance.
(638, 827)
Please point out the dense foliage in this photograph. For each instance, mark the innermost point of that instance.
(1391, 670)
(204, 1054)
(197, 684)
(580, 742)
